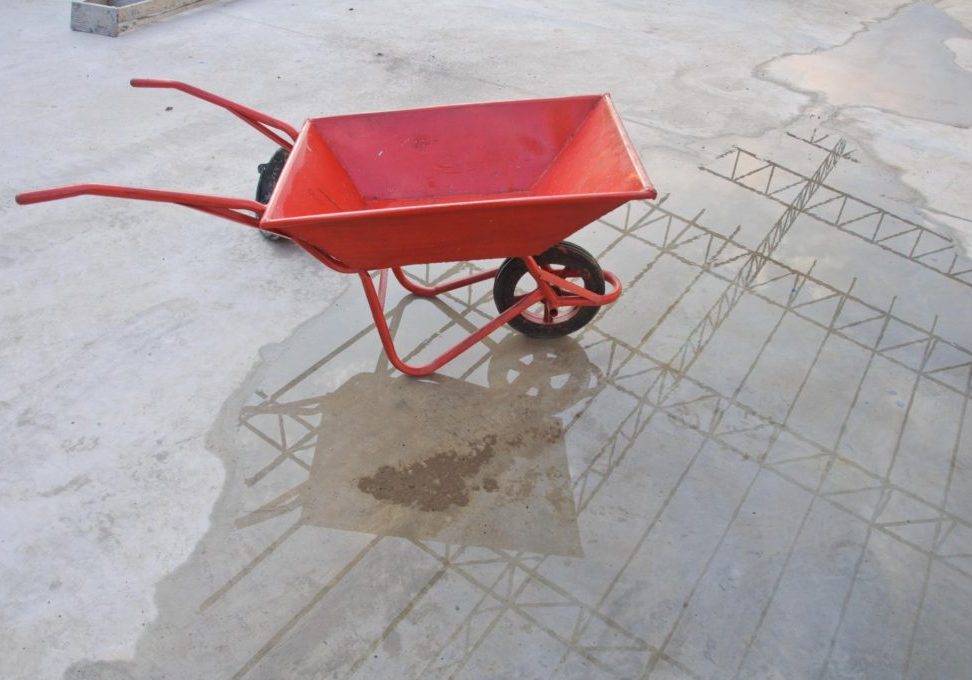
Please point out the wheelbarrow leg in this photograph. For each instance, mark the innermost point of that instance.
(431, 291)
(375, 302)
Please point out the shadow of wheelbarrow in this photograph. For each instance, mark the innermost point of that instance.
(444, 459)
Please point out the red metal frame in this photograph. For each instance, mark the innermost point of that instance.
(259, 121)
(547, 282)
(219, 206)
(554, 291)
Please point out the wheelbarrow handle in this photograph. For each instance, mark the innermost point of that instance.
(214, 205)
(260, 121)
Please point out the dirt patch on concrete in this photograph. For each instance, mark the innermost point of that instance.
(446, 479)
(433, 484)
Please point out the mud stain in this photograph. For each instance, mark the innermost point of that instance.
(446, 479)
(433, 484)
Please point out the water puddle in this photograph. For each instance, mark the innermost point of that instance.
(442, 459)
(900, 65)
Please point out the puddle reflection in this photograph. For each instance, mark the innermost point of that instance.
(444, 459)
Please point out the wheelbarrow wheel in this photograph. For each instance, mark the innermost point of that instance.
(566, 260)
(269, 174)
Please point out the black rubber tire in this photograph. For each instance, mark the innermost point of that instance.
(269, 174)
(581, 265)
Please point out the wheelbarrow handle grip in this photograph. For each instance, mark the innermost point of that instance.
(260, 121)
(220, 206)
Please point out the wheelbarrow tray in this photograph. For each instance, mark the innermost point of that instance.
(452, 183)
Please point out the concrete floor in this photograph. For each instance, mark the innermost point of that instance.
(757, 463)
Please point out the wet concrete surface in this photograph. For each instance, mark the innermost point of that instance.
(902, 64)
(757, 463)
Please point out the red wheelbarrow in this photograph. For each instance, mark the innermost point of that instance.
(379, 191)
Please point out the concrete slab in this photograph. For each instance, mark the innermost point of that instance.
(756, 463)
